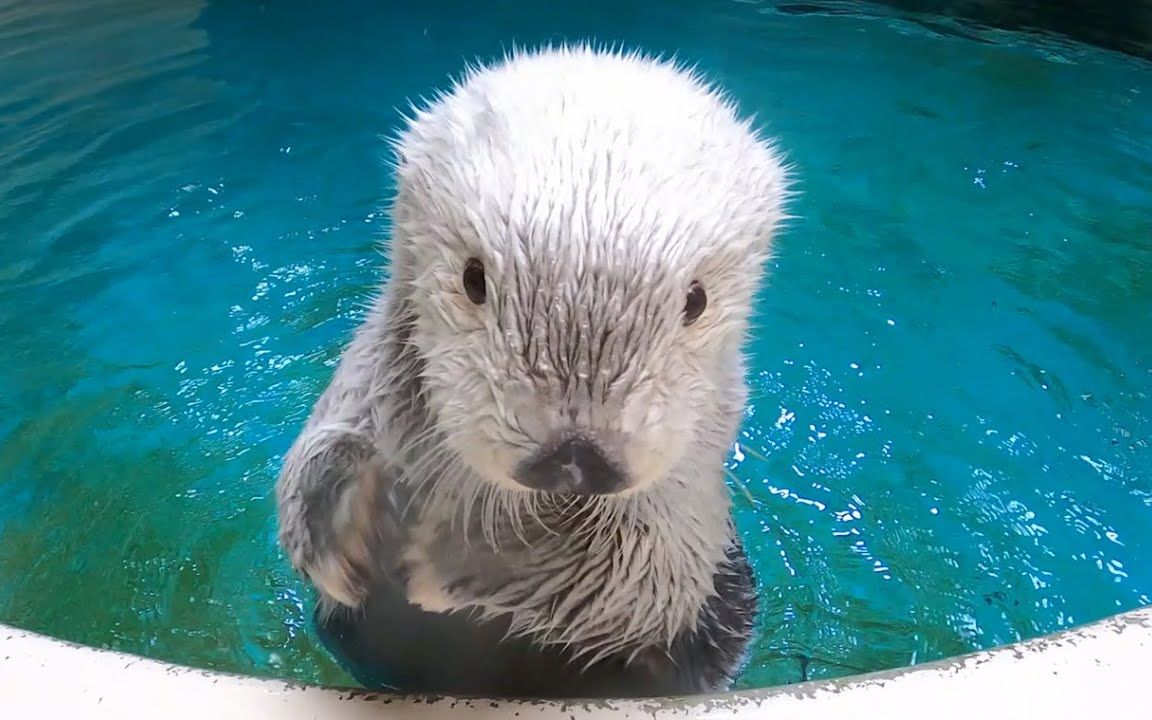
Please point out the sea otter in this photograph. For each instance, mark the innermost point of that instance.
(514, 483)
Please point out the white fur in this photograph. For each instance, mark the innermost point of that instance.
(594, 186)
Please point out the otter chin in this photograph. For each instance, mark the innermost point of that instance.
(514, 484)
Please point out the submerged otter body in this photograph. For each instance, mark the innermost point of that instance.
(514, 484)
(389, 643)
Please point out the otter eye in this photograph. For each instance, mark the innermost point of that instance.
(697, 301)
(474, 284)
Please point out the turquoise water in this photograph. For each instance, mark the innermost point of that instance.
(948, 444)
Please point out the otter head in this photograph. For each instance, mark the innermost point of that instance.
(577, 239)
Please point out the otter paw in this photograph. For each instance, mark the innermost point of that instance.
(335, 516)
(424, 587)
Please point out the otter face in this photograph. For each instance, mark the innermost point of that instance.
(579, 236)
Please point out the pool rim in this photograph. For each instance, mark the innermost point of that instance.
(1094, 667)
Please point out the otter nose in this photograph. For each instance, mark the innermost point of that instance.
(576, 466)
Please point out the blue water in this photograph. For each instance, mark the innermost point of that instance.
(948, 444)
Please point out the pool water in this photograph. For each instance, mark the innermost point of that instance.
(947, 446)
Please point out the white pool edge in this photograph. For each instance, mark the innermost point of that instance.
(1096, 670)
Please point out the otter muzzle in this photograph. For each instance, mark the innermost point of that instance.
(576, 466)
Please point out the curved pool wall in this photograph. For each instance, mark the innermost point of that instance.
(1096, 670)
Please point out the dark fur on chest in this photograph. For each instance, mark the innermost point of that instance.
(390, 645)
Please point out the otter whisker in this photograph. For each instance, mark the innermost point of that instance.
(748, 449)
(742, 487)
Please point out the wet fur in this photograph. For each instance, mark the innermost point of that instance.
(595, 186)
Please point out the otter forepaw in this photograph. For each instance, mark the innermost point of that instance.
(336, 514)
(424, 586)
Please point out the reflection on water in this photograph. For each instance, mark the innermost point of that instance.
(947, 443)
